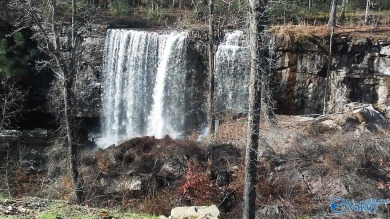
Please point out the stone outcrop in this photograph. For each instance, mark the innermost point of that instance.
(140, 164)
(145, 165)
(89, 77)
(360, 72)
(201, 212)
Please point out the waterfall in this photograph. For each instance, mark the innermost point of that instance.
(145, 90)
(231, 74)
(157, 125)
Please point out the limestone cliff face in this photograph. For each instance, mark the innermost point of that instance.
(360, 72)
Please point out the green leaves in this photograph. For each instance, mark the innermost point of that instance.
(19, 39)
(5, 62)
(15, 54)
(119, 7)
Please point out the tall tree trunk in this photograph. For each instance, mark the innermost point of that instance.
(266, 94)
(343, 8)
(325, 111)
(6, 168)
(333, 12)
(211, 117)
(72, 147)
(256, 9)
(366, 13)
(332, 24)
(268, 66)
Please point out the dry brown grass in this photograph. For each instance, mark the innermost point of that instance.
(362, 32)
(302, 169)
(104, 163)
(65, 188)
(338, 164)
(290, 34)
(293, 33)
(232, 130)
(160, 203)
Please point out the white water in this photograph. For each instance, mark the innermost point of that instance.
(231, 74)
(157, 125)
(144, 91)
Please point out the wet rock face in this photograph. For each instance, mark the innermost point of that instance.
(299, 82)
(89, 77)
(358, 73)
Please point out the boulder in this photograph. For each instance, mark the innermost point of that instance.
(172, 169)
(329, 123)
(122, 184)
(271, 211)
(33, 161)
(385, 51)
(201, 212)
(373, 119)
(383, 66)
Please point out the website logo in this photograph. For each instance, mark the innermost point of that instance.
(339, 205)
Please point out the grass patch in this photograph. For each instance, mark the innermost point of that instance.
(60, 209)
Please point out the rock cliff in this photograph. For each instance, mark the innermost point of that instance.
(360, 72)
(89, 78)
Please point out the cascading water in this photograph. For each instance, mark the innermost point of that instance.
(231, 74)
(145, 85)
(173, 61)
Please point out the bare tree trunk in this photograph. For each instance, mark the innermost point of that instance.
(333, 13)
(343, 6)
(269, 116)
(366, 13)
(72, 148)
(329, 59)
(56, 43)
(7, 161)
(267, 63)
(211, 117)
(249, 208)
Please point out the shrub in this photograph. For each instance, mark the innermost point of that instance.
(196, 187)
